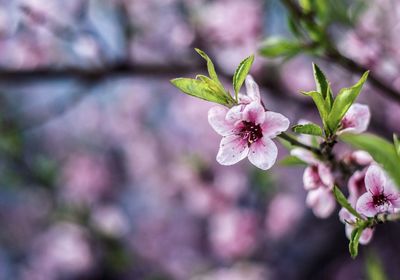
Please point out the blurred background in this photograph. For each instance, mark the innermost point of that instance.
(108, 172)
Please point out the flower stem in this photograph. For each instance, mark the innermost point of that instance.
(297, 143)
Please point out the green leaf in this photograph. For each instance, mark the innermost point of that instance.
(380, 149)
(241, 73)
(342, 103)
(309, 128)
(275, 47)
(396, 143)
(210, 67)
(374, 268)
(205, 89)
(354, 239)
(322, 84)
(341, 199)
(291, 161)
(321, 105)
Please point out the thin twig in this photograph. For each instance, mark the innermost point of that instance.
(297, 143)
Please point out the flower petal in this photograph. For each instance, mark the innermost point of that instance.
(216, 118)
(356, 120)
(325, 175)
(263, 153)
(375, 180)
(252, 89)
(311, 178)
(365, 205)
(254, 112)
(274, 124)
(366, 236)
(234, 114)
(232, 150)
(322, 202)
(304, 155)
(361, 157)
(356, 185)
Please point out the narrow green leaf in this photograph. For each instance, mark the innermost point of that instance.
(321, 82)
(321, 105)
(380, 149)
(374, 268)
(309, 128)
(341, 199)
(241, 73)
(275, 47)
(291, 161)
(329, 97)
(203, 89)
(354, 239)
(210, 67)
(342, 103)
(396, 143)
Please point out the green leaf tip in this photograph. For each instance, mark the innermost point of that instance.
(241, 72)
(343, 101)
(309, 128)
(203, 88)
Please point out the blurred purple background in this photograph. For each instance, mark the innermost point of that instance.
(108, 172)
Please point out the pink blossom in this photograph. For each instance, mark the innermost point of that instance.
(247, 131)
(361, 157)
(349, 220)
(234, 233)
(381, 195)
(356, 185)
(317, 176)
(318, 180)
(356, 120)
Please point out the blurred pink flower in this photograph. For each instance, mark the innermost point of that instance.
(219, 21)
(381, 196)
(239, 271)
(317, 180)
(356, 120)
(85, 179)
(361, 157)
(62, 251)
(284, 211)
(356, 185)
(110, 221)
(348, 219)
(321, 201)
(233, 233)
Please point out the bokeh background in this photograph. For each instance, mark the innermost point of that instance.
(108, 172)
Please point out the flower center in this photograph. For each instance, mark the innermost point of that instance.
(251, 132)
(380, 199)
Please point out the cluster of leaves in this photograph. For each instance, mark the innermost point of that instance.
(331, 109)
(210, 88)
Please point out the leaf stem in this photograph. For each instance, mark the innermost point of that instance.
(297, 143)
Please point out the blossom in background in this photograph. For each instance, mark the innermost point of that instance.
(247, 134)
(381, 196)
(356, 120)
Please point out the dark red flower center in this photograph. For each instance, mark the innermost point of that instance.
(251, 132)
(380, 199)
